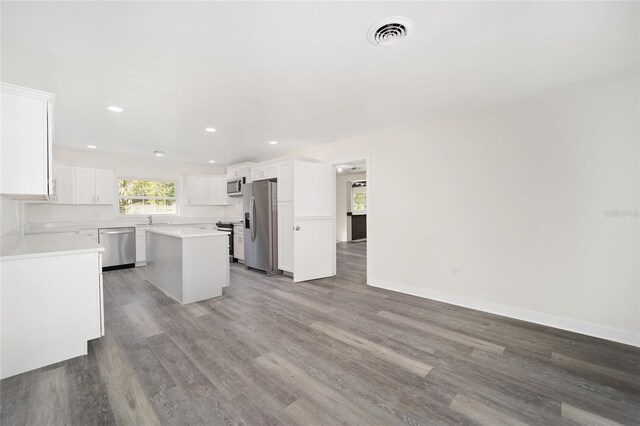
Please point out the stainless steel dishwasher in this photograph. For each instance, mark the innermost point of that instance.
(119, 247)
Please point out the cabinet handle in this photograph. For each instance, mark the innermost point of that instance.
(97, 198)
(297, 228)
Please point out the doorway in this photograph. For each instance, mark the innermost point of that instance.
(352, 211)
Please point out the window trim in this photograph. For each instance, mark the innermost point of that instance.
(175, 182)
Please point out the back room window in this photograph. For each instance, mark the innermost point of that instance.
(140, 197)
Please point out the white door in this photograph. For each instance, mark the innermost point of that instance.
(285, 236)
(84, 180)
(313, 212)
(105, 186)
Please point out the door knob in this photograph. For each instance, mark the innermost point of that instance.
(297, 228)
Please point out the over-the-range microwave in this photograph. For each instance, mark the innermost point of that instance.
(234, 187)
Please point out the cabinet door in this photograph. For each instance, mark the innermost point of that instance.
(84, 182)
(285, 182)
(218, 190)
(105, 186)
(197, 189)
(271, 172)
(257, 173)
(62, 184)
(24, 150)
(285, 236)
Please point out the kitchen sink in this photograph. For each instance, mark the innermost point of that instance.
(153, 224)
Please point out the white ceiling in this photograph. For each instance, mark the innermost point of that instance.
(300, 73)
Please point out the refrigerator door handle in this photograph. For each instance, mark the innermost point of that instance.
(253, 218)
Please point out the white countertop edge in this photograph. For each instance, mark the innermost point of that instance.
(50, 254)
(186, 232)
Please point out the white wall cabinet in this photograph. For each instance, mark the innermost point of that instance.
(105, 186)
(285, 181)
(196, 190)
(27, 135)
(62, 184)
(242, 170)
(206, 190)
(218, 191)
(93, 186)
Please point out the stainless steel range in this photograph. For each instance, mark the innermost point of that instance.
(228, 228)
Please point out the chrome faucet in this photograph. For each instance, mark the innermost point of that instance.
(150, 220)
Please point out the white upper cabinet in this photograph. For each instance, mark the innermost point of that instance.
(26, 137)
(62, 184)
(84, 185)
(285, 181)
(258, 173)
(206, 190)
(93, 186)
(105, 186)
(197, 190)
(240, 171)
(218, 190)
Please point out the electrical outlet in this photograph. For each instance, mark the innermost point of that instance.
(455, 270)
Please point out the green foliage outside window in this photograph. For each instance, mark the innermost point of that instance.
(359, 201)
(137, 196)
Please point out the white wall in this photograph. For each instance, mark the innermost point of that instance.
(515, 194)
(342, 206)
(124, 166)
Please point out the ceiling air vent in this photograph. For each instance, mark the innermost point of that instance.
(390, 31)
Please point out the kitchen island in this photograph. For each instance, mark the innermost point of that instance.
(188, 264)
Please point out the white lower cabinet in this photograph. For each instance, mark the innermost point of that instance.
(52, 305)
(141, 244)
(238, 241)
(89, 233)
(285, 236)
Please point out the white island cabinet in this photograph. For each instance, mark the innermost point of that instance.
(51, 300)
(188, 264)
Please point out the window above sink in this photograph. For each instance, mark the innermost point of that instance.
(145, 196)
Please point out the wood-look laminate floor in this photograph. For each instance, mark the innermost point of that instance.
(332, 351)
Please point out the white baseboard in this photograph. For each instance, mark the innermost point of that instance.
(604, 332)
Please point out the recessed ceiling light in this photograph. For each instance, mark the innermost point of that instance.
(212, 161)
(273, 142)
(339, 169)
(159, 153)
(114, 109)
(91, 146)
(210, 129)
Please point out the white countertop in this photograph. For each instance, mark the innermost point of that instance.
(50, 227)
(31, 246)
(186, 232)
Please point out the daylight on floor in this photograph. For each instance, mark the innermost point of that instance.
(319, 213)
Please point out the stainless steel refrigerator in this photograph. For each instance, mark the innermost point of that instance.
(261, 226)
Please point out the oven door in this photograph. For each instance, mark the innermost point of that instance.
(234, 188)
